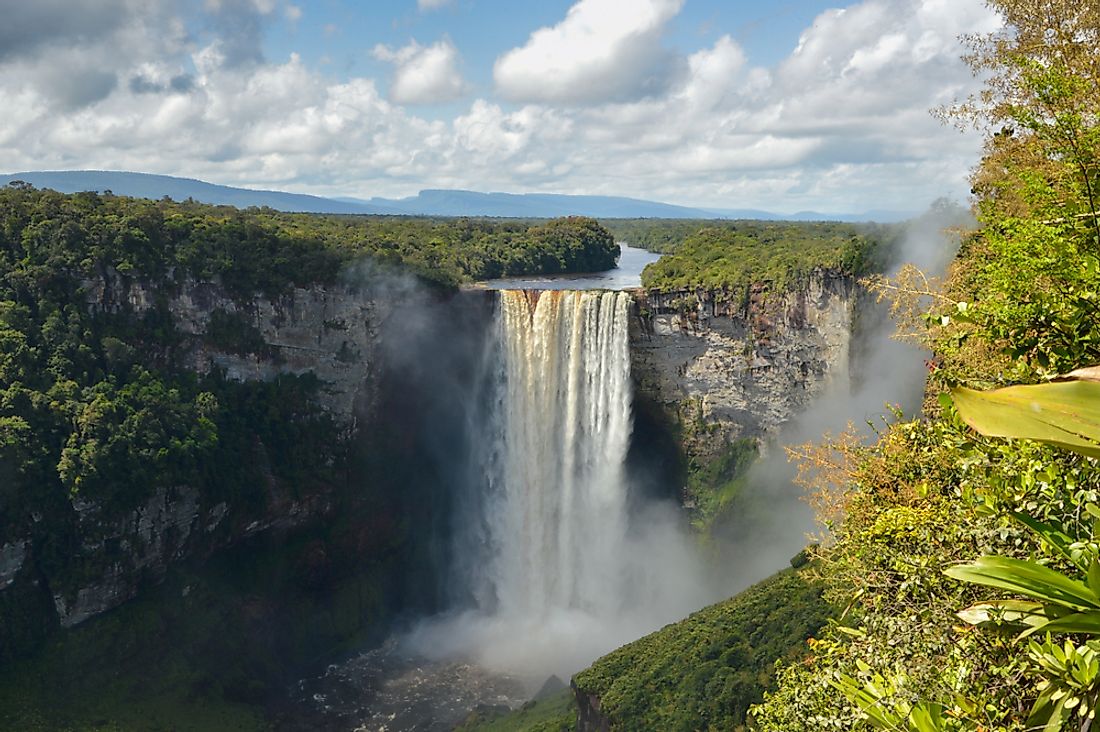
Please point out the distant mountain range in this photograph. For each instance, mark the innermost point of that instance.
(429, 202)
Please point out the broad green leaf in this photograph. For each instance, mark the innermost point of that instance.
(1027, 578)
(1056, 538)
(1061, 413)
(927, 718)
(1093, 577)
(1048, 714)
(1085, 623)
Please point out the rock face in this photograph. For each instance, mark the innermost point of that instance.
(12, 556)
(589, 716)
(725, 368)
(332, 332)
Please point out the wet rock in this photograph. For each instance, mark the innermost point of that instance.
(388, 690)
(12, 556)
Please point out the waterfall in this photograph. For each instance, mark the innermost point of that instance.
(551, 566)
(559, 519)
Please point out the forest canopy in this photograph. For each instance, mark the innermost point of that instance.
(262, 250)
(727, 255)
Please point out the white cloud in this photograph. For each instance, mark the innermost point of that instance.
(426, 5)
(841, 124)
(423, 74)
(603, 50)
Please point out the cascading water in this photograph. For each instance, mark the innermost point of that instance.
(551, 565)
(564, 420)
(556, 566)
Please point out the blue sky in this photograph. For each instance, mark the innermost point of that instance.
(342, 33)
(786, 105)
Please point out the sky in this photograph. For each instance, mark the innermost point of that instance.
(785, 106)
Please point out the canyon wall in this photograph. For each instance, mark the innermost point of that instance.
(726, 365)
(335, 333)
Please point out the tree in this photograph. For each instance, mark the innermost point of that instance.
(1041, 108)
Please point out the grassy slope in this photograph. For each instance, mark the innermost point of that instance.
(705, 671)
(556, 713)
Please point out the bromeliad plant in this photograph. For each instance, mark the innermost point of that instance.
(881, 699)
(1064, 413)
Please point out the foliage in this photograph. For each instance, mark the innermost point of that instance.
(731, 257)
(1019, 306)
(714, 485)
(705, 671)
(96, 404)
(557, 713)
(261, 250)
(1062, 414)
(208, 649)
(879, 698)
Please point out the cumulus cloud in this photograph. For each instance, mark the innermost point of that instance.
(604, 50)
(239, 27)
(423, 74)
(30, 26)
(841, 124)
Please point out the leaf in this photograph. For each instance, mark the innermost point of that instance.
(927, 718)
(1007, 612)
(1065, 413)
(867, 699)
(1093, 576)
(1027, 578)
(1056, 538)
(1047, 714)
(1087, 623)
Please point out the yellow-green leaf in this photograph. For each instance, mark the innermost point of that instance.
(1009, 612)
(1027, 578)
(1061, 413)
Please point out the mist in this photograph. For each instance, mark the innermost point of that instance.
(774, 522)
(551, 562)
(670, 580)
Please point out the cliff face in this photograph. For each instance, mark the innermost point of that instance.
(333, 332)
(725, 368)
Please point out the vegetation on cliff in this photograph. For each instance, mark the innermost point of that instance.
(98, 405)
(1019, 306)
(732, 256)
(704, 672)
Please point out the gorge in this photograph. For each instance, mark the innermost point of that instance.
(496, 475)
